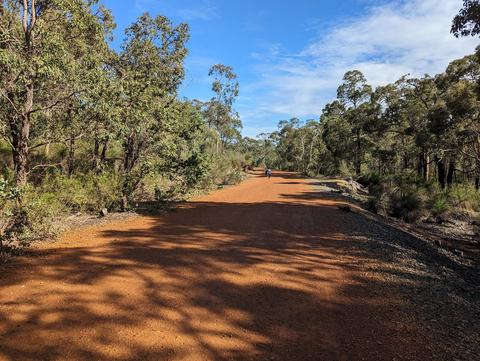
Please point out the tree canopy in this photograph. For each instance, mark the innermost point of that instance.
(467, 21)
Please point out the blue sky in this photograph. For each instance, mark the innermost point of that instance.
(290, 55)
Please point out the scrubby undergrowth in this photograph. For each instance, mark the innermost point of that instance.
(413, 200)
(40, 210)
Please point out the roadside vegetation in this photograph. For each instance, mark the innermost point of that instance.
(85, 128)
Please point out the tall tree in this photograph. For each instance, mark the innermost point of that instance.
(355, 94)
(150, 70)
(219, 110)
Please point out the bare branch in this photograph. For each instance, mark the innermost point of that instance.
(11, 102)
(56, 141)
(57, 102)
(44, 166)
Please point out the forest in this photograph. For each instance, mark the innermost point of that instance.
(417, 139)
(84, 127)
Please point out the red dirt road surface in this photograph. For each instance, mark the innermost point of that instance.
(267, 270)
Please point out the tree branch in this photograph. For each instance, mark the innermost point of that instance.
(54, 104)
(11, 102)
(56, 142)
(44, 166)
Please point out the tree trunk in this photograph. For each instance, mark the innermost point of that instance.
(128, 163)
(477, 178)
(440, 172)
(103, 155)
(450, 172)
(358, 158)
(71, 155)
(20, 124)
(95, 155)
(424, 166)
(420, 166)
(20, 133)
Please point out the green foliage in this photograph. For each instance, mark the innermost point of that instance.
(43, 212)
(407, 204)
(227, 169)
(83, 193)
(9, 197)
(467, 22)
(464, 197)
(45, 205)
(344, 169)
(440, 205)
(219, 111)
(88, 127)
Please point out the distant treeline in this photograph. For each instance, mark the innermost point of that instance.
(427, 127)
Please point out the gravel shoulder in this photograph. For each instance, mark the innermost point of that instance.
(440, 287)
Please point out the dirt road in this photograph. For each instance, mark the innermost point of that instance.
(267, 270)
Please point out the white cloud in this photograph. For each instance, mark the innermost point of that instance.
(203, 10)
(391, 40)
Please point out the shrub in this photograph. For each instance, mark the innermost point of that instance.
(439, 204)
(234, 177)
(407, 204)
(43, 206)
(344, 170)
(42, 211)
(8, 212)
(85, 193)
(465, 196)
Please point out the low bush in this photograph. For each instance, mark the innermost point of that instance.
(465, 197)
(37, 212)
(439, 204)
(42, 213)
(85, 193)
(345, 170)
(234, 177)
(411, 199)
(407, 204)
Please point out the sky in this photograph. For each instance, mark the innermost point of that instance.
(290, 55)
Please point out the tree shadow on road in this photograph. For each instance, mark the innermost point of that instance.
(218, 281)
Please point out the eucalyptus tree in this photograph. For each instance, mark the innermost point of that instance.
(355, 95)
(336, 134)
(289, 144)
(150, 69)
(102, 114)
(421, 98)
(185, 159)
(46, 48)
(267, 147)
(394, 148)
(219, 111)
(456, 120)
